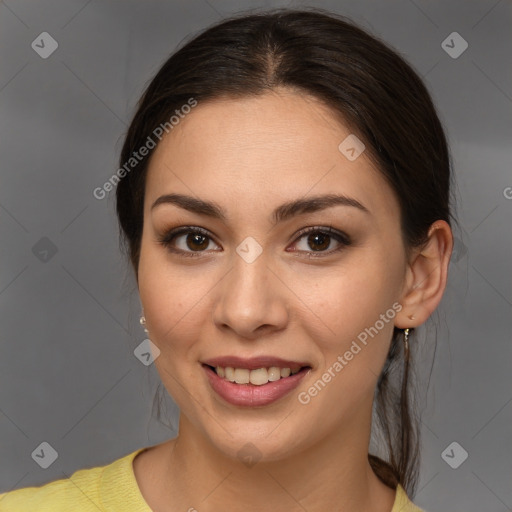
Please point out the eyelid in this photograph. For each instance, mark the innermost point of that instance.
(329, 230)
(168, 236)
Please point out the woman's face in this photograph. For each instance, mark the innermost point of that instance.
(256, 290)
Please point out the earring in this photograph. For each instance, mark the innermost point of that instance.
(406, 340)
(143, 322)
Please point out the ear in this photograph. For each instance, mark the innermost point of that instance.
(426, 276)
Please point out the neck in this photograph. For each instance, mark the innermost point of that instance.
(333, 473)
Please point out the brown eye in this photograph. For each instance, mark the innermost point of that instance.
(318, 240)
(186, 241)
(192, 241)
(196, 241)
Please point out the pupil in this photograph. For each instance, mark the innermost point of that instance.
(312, 238)
(195, 238)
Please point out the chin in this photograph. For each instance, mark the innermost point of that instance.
(260, 441)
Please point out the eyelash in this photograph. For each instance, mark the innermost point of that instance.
(167, 238)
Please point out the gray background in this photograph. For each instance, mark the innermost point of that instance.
(69, 320)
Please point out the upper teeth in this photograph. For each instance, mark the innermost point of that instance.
(257, 377)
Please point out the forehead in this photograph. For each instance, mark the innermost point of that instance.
(260, 150)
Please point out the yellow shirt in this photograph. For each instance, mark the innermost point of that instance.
(109, 488)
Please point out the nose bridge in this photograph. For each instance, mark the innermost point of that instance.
(250, 296)
(249, 282)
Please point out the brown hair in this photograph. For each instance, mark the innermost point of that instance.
(367, 85)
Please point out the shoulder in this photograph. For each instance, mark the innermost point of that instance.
(79, 490)
(86, 490)
(403, 503)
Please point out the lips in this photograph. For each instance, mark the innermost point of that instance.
(245, 393)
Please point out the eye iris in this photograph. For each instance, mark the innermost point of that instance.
(318, 240)
(195, 237)
(315, 236)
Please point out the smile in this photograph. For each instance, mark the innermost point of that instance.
(253, 387)
(258, 377)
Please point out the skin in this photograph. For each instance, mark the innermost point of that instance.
(251, 155)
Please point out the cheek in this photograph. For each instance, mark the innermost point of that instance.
(348, 303)
(174, 315)
(355, 324)
(172, 298)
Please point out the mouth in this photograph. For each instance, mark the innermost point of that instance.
(254, 382)
(256, 377)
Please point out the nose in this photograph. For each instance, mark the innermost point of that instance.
(251, 300)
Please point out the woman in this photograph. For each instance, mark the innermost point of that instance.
(284, 195)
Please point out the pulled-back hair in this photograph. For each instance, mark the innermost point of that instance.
(368, 87)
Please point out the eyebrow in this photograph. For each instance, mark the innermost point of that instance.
(280, 214)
